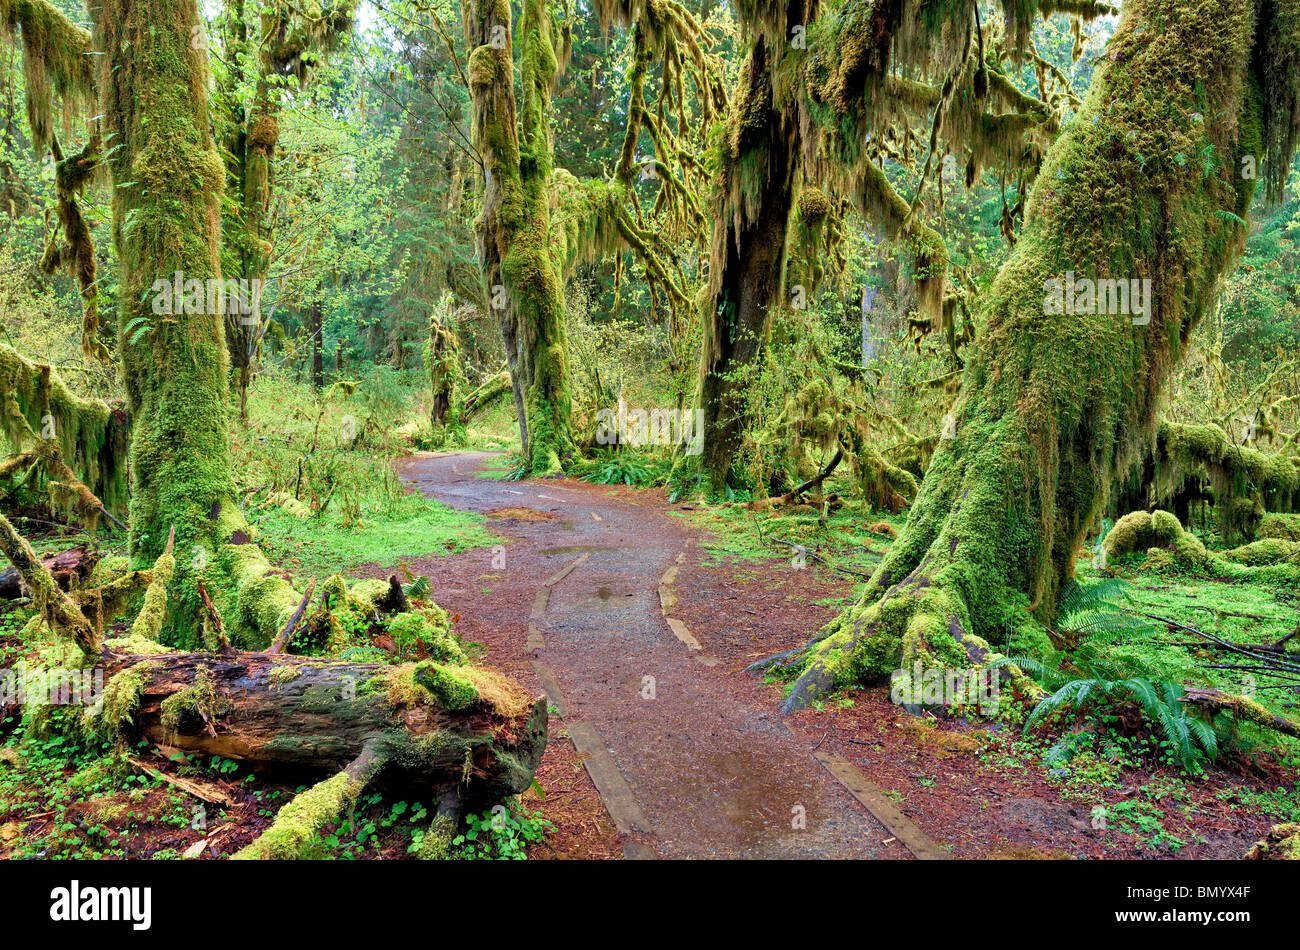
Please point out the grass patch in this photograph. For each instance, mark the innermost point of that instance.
(735, 535)
(413, 527)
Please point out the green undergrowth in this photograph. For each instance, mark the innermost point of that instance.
(1240, 612)
(63, 799)
(851, 538)
(413, 526)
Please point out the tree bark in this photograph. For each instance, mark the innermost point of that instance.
(168, 181)
(750, 225)
(1144, 184)
(74, 564)
(522, 280)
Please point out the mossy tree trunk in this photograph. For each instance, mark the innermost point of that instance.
(523, 283)
(168, 180)
(1145, 184)
(751, 219)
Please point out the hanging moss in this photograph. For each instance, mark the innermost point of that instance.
(121, 699)
(1242, 482)
(288, 41)
(56, 62)
(91, 436)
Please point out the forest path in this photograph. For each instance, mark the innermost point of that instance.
(701, 770)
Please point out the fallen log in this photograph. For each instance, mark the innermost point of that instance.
(464, 735)
(463, 730)
(1241, 707)
(76, 562)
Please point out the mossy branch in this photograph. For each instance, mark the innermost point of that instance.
(59, 611)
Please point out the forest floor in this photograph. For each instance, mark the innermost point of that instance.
(638, 616)
(579, 603)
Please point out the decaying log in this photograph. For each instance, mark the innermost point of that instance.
(76, 562)
(438, 727)
(1242, 708)
(462, 735)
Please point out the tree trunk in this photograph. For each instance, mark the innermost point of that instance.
(1145, 184)
(168, 181)
(286, 46)
(317, 327)
(523, 284)
(751, 220)
(444, 367)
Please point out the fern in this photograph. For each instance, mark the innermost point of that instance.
(1190, 739)
(418, 588)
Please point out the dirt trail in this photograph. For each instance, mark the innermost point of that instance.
(710, 771)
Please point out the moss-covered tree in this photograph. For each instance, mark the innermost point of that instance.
(168, 179)
(1146, 183)
(822, 98)
(57, 72)
(522, 279)
(271, 47)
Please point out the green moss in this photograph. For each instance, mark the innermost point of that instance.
(149, 622)
(302, 819)
(516, 238)
(284, 674)
(90, 434)
(121, 699)
(453, 688)
(426, 628)
(199, 700)
(1285, 527)
(136, 646)
(436, 843)
(1281, 843)
(1054, 406)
